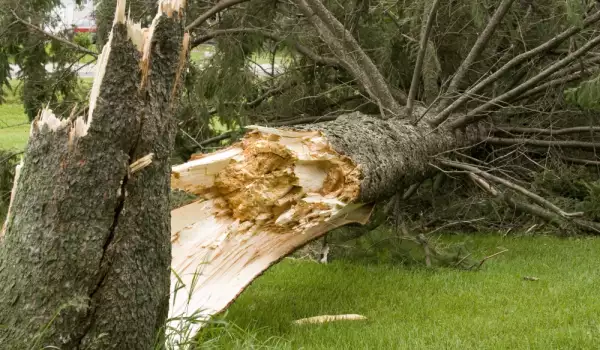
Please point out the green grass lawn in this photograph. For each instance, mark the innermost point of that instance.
(418, 308)
(14, 125)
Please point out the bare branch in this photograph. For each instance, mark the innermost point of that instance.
(269, 93)
(477, 49)
(220, 6)
(411, 191)
(548, 45)
(534, 197)
(489, 257)
(275, 37)
(533, 209)
(223, 136)
(542, 143)
(553, 83)
(477, 113)
(593, 61)
(304, 120)
(522, 206)
(425, 32)
(54, 37)
(355, 60)
(548, 132)
(580, 161)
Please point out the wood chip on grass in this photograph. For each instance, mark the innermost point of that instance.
(329, 318)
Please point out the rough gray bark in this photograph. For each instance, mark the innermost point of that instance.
(84, 263)
(393, 154)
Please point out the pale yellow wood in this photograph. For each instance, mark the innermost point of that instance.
(215, 267)
(263, 198)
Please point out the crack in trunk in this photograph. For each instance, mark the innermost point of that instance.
(103, 273)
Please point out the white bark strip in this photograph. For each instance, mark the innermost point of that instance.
(12, 197)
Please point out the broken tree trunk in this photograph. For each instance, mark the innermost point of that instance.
(277, 190)
(84, 261)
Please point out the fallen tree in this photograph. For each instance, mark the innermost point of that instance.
(279, 188)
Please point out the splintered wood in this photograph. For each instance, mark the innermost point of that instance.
(263, 198)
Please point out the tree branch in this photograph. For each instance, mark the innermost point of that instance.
(355, 60)
(275, 37)
(220, 6)
(580, 161)
(525, 207)
(304, 120)
(548, 45)
(477, 113)
(593, 61)
(542, 143)
(476, 50)
(425, 32)
(296, 121)
(548, 132)
(552, 83)
(54, 37)
(534, 197)
(531, 208)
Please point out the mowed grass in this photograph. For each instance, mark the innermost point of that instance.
(418, 308)
(14, 125)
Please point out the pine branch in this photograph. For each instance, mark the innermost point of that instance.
(542, 143)
(476, 50)
(54, 37)
(548, 132)
(477, 113)
(220, 6)
(533, 209)
(588, 162)
(553, 83)
(275, 37)
(505, 69)
(425, 32)
(534, 197)
(354, 58)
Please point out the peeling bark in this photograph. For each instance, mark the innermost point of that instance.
(85, 259)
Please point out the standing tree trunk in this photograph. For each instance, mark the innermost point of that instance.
(84, 261)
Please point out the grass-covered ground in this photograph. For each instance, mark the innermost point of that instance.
(419, 308)
(14, 126)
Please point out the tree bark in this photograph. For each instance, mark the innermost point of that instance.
(84, 262)
(392, 154)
